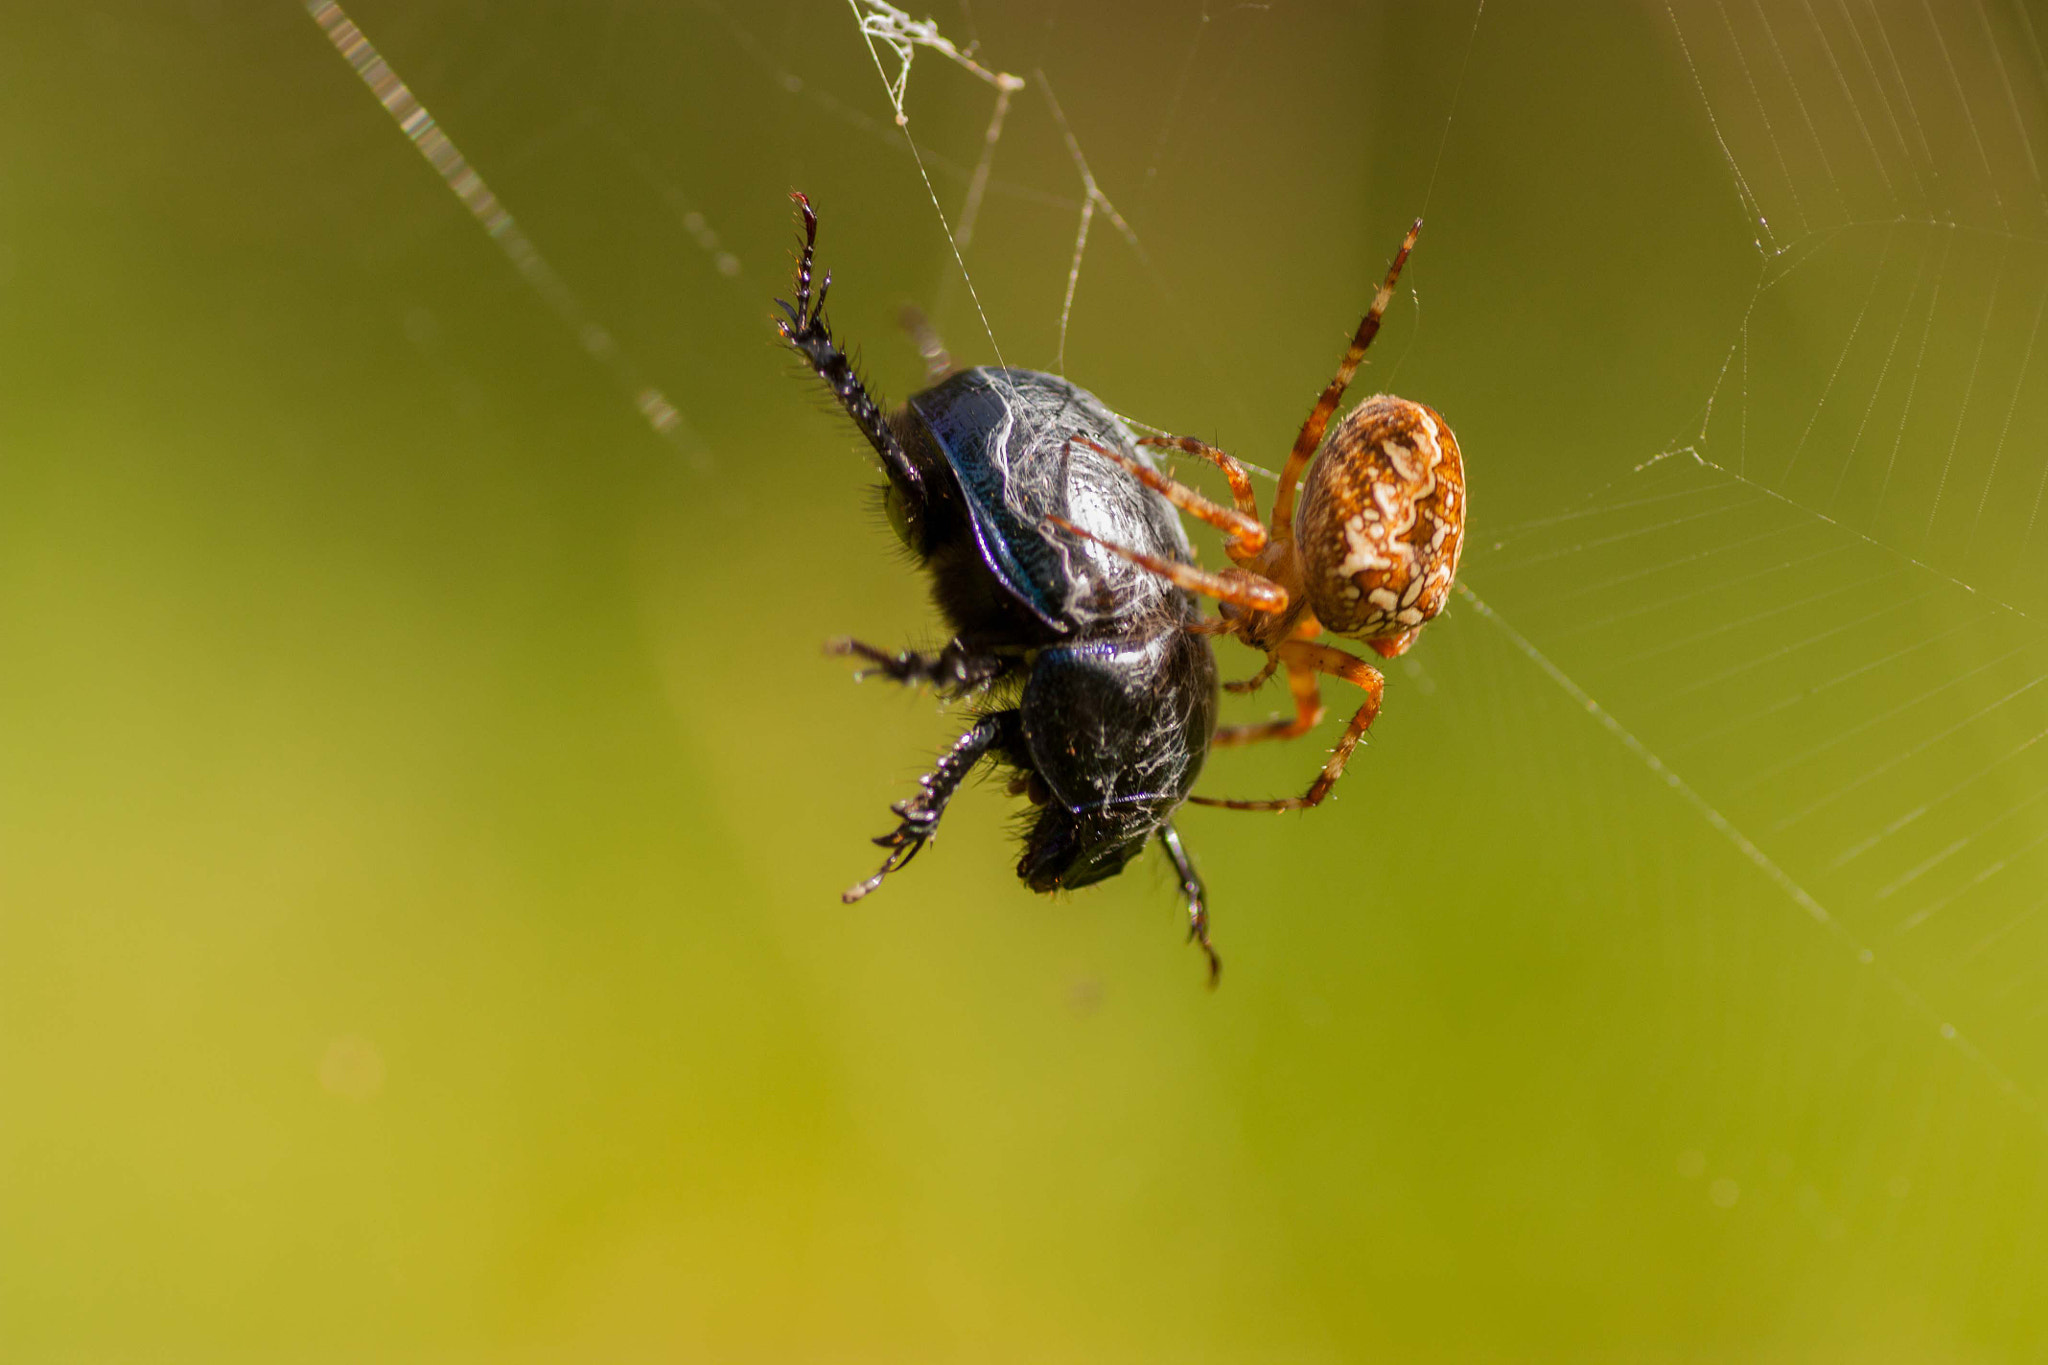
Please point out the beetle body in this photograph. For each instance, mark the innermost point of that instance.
(1007, 438)
(1090, 680)
(1118, 697)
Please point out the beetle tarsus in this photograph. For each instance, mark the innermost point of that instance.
(918, 816)
(804, 327)
(919, 822)
(1198, 898)
(954, 671)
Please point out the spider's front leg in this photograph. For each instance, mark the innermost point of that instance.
(918, 817)
(1240, 481)
(955, 671)
(1239, 587)
(1246, 534)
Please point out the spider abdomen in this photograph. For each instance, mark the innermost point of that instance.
(1382, 522)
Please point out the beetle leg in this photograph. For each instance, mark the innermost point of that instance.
(803, 326)
(954, 671)
(1304, 662)
(1246, 536)
(1235, 586)
(1319, 417)
(919, 816)
(1198, 904)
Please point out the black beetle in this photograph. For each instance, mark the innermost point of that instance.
(1094, 685)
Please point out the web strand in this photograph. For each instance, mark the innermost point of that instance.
(1754, 854)
(1092, 198)
(468, 187)
(884, 25)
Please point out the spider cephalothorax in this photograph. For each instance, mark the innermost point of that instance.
(1369, 554)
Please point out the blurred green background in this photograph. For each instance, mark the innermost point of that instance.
(424, 803)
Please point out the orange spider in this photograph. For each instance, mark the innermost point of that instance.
(1369, 554)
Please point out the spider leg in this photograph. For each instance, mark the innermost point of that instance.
(1247, 536)
(803, 326)
(938, 361)
(954, 671)
(1305, 629)
(1240, 481)
(1256, 680)
(1308, 710)
(1198, 905)
(1319, 417)
(1304, 662)
(1236, 587)
(919, 816)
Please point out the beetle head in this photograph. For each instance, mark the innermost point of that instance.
(1066, 849)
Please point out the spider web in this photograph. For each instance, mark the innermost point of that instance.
(1812, 606)
(1823, 607)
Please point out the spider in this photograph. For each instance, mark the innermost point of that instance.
(1368, 554)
